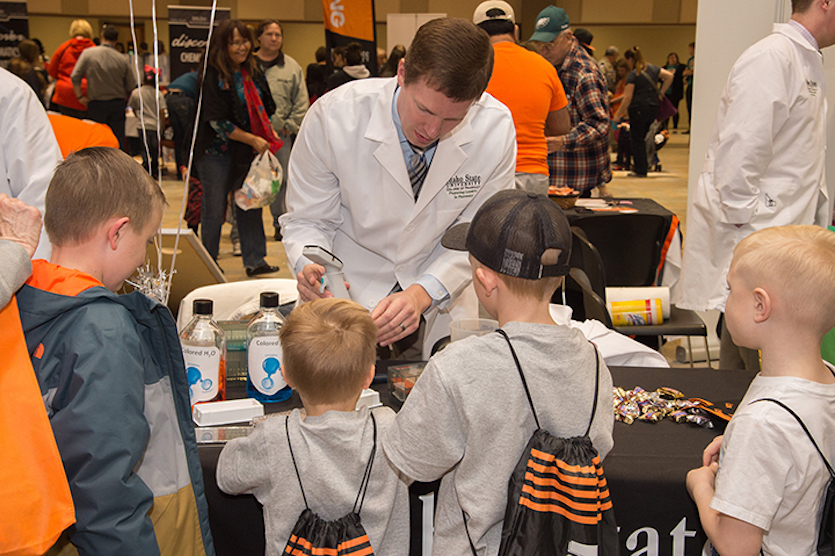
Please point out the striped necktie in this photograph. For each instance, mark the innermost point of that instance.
(417, 171)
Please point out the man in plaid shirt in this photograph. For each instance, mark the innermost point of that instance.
(579, 159)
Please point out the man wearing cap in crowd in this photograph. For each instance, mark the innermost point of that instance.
(580, 159)
(382, 168)
(584, 37)
(528, 85)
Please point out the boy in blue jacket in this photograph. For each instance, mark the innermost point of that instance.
(110, 367)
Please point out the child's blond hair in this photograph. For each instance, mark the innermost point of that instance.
(329, 346)
(798, 262)
(94, 185)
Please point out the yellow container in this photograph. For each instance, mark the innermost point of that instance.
(637, 313)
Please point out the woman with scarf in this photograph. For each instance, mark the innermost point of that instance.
(234, 127)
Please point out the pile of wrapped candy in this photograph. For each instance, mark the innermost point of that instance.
(638, 404)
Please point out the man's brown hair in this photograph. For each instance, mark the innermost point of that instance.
(800, 6)
(94, 185)
(266, 23)
(453, 55)
(328, 346)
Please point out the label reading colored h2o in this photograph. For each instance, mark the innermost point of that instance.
(264, 364)
(202, 367)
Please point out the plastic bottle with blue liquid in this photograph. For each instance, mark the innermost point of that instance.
(264, 381)
(204, 353)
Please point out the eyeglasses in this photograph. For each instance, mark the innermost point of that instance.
(237, 44)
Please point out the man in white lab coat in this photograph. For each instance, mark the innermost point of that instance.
(29, 151)
(765, 161)
(383, 167)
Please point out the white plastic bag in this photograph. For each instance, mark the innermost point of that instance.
(262, 182)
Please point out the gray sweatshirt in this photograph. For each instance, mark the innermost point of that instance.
(331, 451)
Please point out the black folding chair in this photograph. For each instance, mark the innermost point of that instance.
(629, 245)
(584, 255)
(583, 300)
(630, 248)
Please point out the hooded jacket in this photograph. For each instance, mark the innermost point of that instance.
(112, 378)
(60, 67)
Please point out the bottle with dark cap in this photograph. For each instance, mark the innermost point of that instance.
(264, 380)
(204, 353)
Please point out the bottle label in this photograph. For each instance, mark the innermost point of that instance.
(264, 364)
(203, 372)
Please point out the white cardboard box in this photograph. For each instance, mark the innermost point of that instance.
(230, 411)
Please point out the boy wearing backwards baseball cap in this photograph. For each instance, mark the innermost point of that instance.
(468, 420)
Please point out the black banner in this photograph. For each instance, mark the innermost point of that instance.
(14, 27)
(348, 21)
(188, 28)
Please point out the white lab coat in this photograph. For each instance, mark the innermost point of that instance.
(349, 192)
(765, 161)
(29, 151)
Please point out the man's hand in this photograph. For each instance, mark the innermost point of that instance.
(84, 101)
(711, 453)
(20, 223)
(309, 281)
(556, 143)
(398, 315)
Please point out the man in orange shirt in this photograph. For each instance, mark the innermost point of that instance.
(529, 86)
(74, 134)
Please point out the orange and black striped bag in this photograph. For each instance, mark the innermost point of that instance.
(345, 536)
(558, 499)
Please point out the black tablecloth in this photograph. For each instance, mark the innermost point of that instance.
(631, 245)
(643, 206)
(645, 470)
(647, 466)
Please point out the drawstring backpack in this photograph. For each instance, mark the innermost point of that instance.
(826, 527)
(557, 498)
(341, 537)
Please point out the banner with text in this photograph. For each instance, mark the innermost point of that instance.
(14, 27)
(348, 21)
(188, 28)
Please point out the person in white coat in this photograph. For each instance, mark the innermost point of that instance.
(765, 160)
(29, 151)
(383, 167)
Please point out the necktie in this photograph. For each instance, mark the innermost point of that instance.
(417, 171)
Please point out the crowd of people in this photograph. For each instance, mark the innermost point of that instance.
(431, 186)
(644, 101)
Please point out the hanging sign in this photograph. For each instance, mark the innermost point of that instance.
(188, 28)
(348, 21)
(14, 27)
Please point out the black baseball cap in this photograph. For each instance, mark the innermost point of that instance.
(510, 233)
(584, 37)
